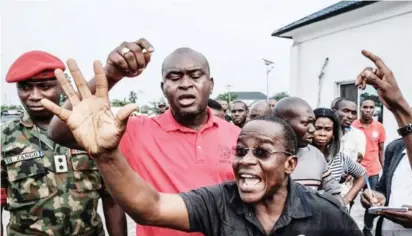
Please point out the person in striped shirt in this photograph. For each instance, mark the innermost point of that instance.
(327, 139)
(312, 169)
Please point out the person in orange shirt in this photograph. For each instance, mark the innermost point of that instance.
(373, 159)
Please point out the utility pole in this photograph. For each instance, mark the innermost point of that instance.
(320, 80)
(269, 67)
(228, 86)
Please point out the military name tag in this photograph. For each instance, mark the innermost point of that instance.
(77, 152)
(23, 157)
(60, 163)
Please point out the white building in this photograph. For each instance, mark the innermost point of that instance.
(337, 35)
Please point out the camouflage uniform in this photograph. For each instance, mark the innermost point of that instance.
(47, 193)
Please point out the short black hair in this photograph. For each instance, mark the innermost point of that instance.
(339, 101)
(369, 98)
(291, 142)
(215, 105)
(241, 102)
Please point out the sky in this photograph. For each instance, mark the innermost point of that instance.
(234, 35)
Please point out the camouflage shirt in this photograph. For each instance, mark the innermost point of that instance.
(51, 190)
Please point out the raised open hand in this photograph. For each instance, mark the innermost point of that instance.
(91, 121)
(382, 79)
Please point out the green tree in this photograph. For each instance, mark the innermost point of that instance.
(280, 95)
(132, 97)
(119, 102)
(63, 96)
(225, 97)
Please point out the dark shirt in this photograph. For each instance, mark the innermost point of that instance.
(219, 210)
(393, 156)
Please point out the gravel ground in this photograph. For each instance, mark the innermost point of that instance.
(357, 214)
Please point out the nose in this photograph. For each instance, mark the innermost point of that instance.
(186, 82)
(311, 128)
(249, 159)
(35, 94)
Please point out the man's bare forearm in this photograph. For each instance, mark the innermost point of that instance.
(403, 116)
(137, 198)
(59, 132)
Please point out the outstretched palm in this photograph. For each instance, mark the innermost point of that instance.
(91, 121)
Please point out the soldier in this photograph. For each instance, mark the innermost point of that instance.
(48, 189)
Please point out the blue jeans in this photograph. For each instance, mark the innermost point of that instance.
(368, 218)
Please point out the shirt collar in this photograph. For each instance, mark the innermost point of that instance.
(404, 151)
(297, 206)
(169, 124)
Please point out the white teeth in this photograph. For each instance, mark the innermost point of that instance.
(247, 176)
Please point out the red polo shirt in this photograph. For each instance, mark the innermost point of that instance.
(174, 158)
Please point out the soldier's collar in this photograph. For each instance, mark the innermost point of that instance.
(26, 120)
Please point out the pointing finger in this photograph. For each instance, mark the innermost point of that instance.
(79, 79)
(67, 87)
(375, 59)
(101, 80)
(62, 113)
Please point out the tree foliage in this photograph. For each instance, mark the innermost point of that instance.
(225, 97)
(132, 97)
(280, 95)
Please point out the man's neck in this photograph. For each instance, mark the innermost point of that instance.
(270, 209)
(193, 122)
(364, 121)
(41, 122)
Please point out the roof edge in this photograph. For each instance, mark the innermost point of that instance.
(279, 33)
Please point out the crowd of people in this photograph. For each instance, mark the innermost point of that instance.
(200, 167)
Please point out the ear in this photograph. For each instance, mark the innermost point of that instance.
(212, 85)
(161, 87)
(290, 164)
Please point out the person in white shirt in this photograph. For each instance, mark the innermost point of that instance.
(353, 141)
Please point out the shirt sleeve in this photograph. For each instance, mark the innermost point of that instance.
(329, 184)
(352, 168)
(343, 226)
(203, 206)
(4, 176)
(361, 144)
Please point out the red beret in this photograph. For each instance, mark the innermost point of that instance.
(34, 65)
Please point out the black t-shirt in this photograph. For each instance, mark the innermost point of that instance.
(219, 211)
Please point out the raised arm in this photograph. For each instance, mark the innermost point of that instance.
(383, 80)
(98, 131)
(127, 60)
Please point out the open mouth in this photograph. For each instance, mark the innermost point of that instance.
(186, 100)
(249, 182)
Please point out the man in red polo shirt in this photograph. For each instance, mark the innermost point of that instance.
(182, 149)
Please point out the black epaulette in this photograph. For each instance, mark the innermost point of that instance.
(331, 199)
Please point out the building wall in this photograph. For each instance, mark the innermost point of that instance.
(383, 28)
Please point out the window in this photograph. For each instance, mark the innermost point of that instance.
(349, 91)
